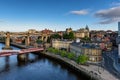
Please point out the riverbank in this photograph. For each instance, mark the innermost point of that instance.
(90, 71)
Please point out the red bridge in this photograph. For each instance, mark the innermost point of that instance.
(22, 51)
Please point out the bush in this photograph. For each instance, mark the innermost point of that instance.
(52, 50)
(56, 51)
(71, 56)
(82, 59)
(63, 53)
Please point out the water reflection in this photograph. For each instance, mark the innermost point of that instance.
(7, 66)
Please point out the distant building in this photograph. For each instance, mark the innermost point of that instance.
(68, 30)
(61, 44)
(81, 33)
(47, 31)
(45, 34)
(32, 31)
(91, 50)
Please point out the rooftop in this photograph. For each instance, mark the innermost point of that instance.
(85, 45)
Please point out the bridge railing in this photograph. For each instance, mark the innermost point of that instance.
(9, 51)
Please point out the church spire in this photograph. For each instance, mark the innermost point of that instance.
(87, 27)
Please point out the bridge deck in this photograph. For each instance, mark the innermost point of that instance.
(22, 51)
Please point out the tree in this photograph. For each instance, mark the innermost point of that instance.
(68, 36)
(65, 36)
(71, 35)
(63, 53)
(82, 59)
(71, 55)
(86, 39)
(56, 36)
(38, 41)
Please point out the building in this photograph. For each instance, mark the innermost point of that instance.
(118, 41)
(81, 33)
(91, 50)
(32, 31)
(45, 34)
(61, 44)
(68, 30)
(118, 28)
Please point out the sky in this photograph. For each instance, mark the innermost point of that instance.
(57, 15)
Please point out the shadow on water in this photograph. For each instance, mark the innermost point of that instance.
(31, 60)
(7, 66)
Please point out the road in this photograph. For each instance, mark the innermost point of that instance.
(108, 62)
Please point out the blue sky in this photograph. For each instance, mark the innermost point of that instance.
(21, 15)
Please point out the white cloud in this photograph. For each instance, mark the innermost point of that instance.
(115, 4)
(108, 15)
(79, 12)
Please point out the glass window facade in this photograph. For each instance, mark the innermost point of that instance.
(118, 28)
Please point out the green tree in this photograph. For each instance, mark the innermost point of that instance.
(82, 59)
(56, 36)
(86, 39)
(71, 35)
(63, 53)
(71, 55)
(68, 36)
(50, 49)
(38, 41)
(65, 36)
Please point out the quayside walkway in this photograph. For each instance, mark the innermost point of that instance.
(90, 70)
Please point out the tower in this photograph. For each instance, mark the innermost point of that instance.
(87, 28)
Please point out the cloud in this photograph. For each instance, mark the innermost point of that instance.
(115, 4)
(108, 16)
(80, 12)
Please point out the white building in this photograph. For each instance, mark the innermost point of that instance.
(61, 44)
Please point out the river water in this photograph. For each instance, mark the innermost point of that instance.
(37, 68)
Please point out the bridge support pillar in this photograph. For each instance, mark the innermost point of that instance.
(7, 42)
(27, 40)
(22, 57)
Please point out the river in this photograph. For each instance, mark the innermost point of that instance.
(37, 68)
